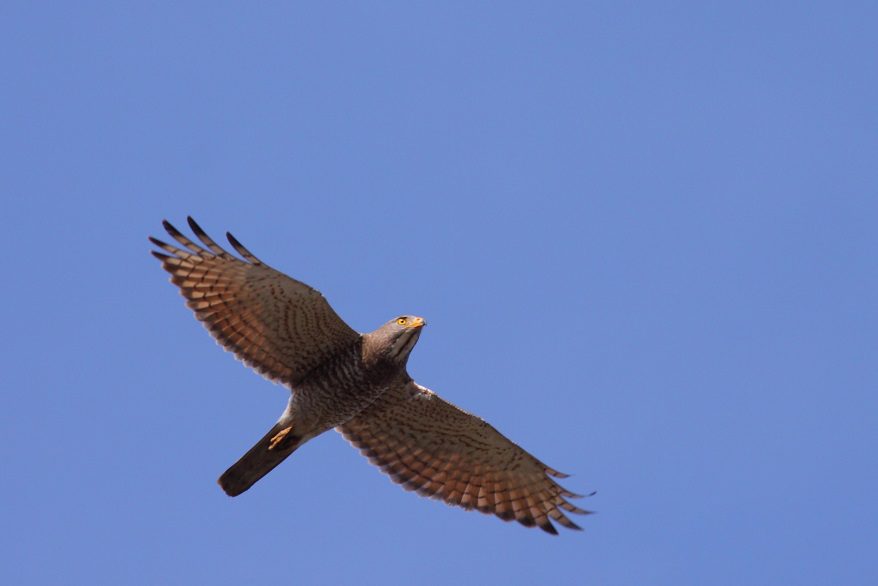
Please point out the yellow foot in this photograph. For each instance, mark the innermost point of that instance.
(279, 437)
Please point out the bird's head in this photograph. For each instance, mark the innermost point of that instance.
(398, 336)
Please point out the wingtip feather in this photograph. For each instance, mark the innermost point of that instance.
(242, 250)
(555, 473)
(194, 225)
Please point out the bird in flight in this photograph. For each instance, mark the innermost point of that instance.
(356, 383)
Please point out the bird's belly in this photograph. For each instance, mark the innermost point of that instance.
(324, 404)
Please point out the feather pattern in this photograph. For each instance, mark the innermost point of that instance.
(280, 327)
(430, 446)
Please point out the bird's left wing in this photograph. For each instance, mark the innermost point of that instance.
(280, 327)
(428, 445)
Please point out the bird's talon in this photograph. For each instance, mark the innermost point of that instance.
(279, 437)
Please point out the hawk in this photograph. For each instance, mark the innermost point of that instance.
(355, 383)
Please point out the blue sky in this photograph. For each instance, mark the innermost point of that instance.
(643, 237)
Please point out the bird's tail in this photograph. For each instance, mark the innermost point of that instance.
(271, 450)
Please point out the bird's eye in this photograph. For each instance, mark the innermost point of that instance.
(401, 321)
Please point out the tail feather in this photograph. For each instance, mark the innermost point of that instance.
(271, 450)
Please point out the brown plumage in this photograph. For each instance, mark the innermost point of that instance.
(356, 383)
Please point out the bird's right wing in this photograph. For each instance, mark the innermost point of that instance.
(280, 327)
(430, 446)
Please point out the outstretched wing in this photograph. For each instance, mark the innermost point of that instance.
(278, 326)
(430, 446)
